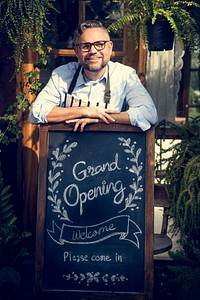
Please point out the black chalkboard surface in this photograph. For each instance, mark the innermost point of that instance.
(92, 231)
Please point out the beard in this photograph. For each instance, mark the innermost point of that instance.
(94, 67)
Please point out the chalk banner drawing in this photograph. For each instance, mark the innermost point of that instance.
(95, 207)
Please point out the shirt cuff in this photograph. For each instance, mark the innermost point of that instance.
(38, 113)
(137, 119)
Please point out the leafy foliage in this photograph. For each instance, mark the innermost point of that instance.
(11, 238)
(136, 14)
(11, 129)
(182, 180)
(10, 122)
(7, 215)
(24, 22)
(186, 273)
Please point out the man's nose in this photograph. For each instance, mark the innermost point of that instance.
(93, 49)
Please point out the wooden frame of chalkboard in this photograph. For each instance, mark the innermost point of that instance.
(94, 233)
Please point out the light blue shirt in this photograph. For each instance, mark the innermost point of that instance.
(126, 91)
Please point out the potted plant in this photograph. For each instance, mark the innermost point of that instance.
(175, 16)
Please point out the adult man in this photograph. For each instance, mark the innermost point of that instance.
(98, 80)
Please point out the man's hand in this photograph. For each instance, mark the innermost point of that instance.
(119, 117)
(99, 113)
(93, 115)
(80, 123)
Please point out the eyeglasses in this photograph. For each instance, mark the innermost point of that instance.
(99, 45)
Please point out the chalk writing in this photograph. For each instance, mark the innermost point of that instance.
(68, 256)
(121, 226)
(72, 196)
(81, 171)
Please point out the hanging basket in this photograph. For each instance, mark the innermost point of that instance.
(160, 36)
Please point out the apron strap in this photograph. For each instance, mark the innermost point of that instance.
(107, 95)
(72, 84)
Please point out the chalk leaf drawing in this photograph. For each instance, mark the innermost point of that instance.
(91, 277)
(136, 169)
(54, 175)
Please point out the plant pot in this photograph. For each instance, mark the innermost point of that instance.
(160, 36)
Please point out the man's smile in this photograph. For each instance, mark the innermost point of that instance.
(93, 58)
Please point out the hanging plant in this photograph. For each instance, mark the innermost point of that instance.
(137, 14)
(23, 23)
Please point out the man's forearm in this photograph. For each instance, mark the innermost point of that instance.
(121, 118)
(61, 114)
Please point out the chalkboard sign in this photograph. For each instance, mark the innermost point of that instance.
(95, 210)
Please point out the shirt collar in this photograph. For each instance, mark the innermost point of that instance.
(81, 79)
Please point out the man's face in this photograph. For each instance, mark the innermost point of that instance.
(94, 60)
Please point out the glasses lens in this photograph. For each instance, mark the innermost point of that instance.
(99, 45)
(85, 47)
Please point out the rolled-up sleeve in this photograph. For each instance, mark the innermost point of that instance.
(53, 94)
(142, 111)
(142, 117)
(45, 101)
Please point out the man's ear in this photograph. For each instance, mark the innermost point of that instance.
(111, 45)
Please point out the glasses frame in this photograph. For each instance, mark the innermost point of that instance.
(92, 44)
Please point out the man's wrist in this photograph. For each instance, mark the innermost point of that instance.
(83, 111)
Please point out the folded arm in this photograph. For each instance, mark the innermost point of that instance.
(119, 117)
(60, 114)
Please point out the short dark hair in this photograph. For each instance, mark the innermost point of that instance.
(88, 24)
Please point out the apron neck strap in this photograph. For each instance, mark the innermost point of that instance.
(74, 80)
(107, 95)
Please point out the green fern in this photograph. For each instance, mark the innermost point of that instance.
(136, 14)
